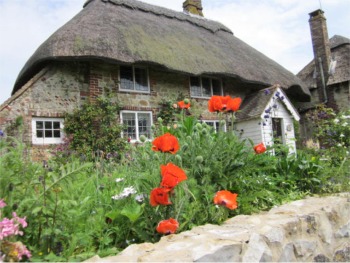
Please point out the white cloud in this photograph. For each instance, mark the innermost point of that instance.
(277, 28)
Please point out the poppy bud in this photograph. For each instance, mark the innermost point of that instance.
(178, 158)
(185, 146)
(199, 126)
(186, 101)
(143, 138)
(160, 120)
(199, 159)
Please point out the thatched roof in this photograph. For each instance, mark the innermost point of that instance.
(129, 31)
(340, 50)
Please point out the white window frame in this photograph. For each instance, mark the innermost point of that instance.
(137, 123)
(50, 140)
(216, 124)
(133, 76)
(201, 86)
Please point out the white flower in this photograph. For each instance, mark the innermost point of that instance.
(140, 198)
(345, 116)
(119, 180)
(344, 124)
(339, 145)
(126, 192)
(336, 120)
(341, 135)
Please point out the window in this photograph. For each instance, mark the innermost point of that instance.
(204, 87)
(134, 79)
(216, 125)
(47, 131)
(136, 124)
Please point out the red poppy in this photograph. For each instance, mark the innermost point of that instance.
(167, 226)
(233, 104)
(166, 143)
(215, 104)
(183, 105)
(172, 175)
(226, 198)
(260, 148)
(159, 196)
(224, 101)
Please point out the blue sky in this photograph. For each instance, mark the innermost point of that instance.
(277, 28)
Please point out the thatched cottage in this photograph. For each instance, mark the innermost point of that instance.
(327, 76)
(142, 53)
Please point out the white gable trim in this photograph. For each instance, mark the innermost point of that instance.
(282, 98)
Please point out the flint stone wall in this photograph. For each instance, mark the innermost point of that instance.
(315, 229)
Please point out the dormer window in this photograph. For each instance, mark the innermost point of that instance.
(134, 79)
(205, 87)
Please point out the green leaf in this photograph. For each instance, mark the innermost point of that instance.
(113, 214)
(133, 212)
(36, 210)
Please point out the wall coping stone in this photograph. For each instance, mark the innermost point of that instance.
(312, 229)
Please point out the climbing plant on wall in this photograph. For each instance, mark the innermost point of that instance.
(94, 129)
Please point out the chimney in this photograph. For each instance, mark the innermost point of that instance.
(193, 6)
(321, 48)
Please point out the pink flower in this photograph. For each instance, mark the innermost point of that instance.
(22, 221)
(22, 250)
(10, 227)
(2, 203)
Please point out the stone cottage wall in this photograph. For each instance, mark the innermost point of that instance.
(309, 230)
(62, 87)
(52, 92)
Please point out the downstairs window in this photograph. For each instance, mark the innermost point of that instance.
(136, 123)
(47, 130)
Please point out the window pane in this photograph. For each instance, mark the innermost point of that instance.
(126, 78)
(39, 134)
(206, 88)
(48, 134)
(195, 87)
(48, 125)
(39, 125)
(141, 80)
(130, 123)
(56, 125)
(216, 87)
(144, 122)
(57, 134)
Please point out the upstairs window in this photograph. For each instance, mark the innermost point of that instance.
(134, 79)
(204, 87)
(136, 123)
(47, 131)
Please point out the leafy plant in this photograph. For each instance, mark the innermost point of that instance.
(94, 130)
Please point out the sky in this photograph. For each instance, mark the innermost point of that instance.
(277, 28)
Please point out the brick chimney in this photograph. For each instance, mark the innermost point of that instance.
(193, 7)
(322, 51)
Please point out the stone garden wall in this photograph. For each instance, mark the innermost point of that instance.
(313, 229)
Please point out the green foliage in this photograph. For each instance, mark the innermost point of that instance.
(94, 129)
(332, 130)
(78, 209)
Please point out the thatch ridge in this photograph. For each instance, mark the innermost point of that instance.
(129, 31)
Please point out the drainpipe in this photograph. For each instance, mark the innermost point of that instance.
(323, 81)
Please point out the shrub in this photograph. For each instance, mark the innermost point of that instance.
(94, 129)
